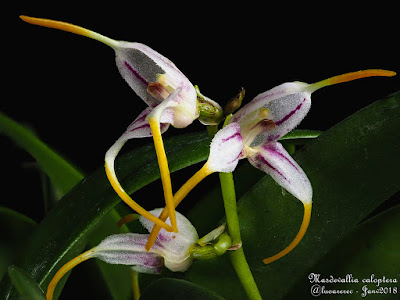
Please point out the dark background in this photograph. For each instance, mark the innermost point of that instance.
(68, 89)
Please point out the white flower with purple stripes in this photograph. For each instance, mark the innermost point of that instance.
(172, 250)
(259, 126)
(169, 95)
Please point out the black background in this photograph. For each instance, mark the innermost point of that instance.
(69, 90)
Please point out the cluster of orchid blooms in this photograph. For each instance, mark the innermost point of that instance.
(252, 132)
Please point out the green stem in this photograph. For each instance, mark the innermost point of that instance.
(237, 257)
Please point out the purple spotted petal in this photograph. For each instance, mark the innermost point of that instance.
(225, 149)
(273, 159)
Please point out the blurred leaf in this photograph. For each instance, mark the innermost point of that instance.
(25, 285)
(353, 167)
(176, 289)
(62, 174)
(15, 229)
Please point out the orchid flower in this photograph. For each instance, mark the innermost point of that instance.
(170, 97)
(172, 250)
(253, 132)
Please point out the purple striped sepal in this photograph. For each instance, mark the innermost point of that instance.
(274, 160)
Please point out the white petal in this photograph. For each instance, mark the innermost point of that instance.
(225, 149)
(273, 159)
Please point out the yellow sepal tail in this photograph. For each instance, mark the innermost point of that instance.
(164, 170)
(297, 239)
(64, 269)
(128, 200)
(350, 77)
(64, 26)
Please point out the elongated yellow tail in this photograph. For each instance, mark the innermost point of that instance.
(349, 77)
(164, 170)
(128, 200)
(64, 26)
(297, 239)
(64, 269)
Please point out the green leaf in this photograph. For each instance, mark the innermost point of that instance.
(63, 234)
(26, 286)
(62, 174)
(176, 289)
(353, 167)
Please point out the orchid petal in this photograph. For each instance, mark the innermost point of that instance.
(285, 106)
(273, 159)
(225, 149)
